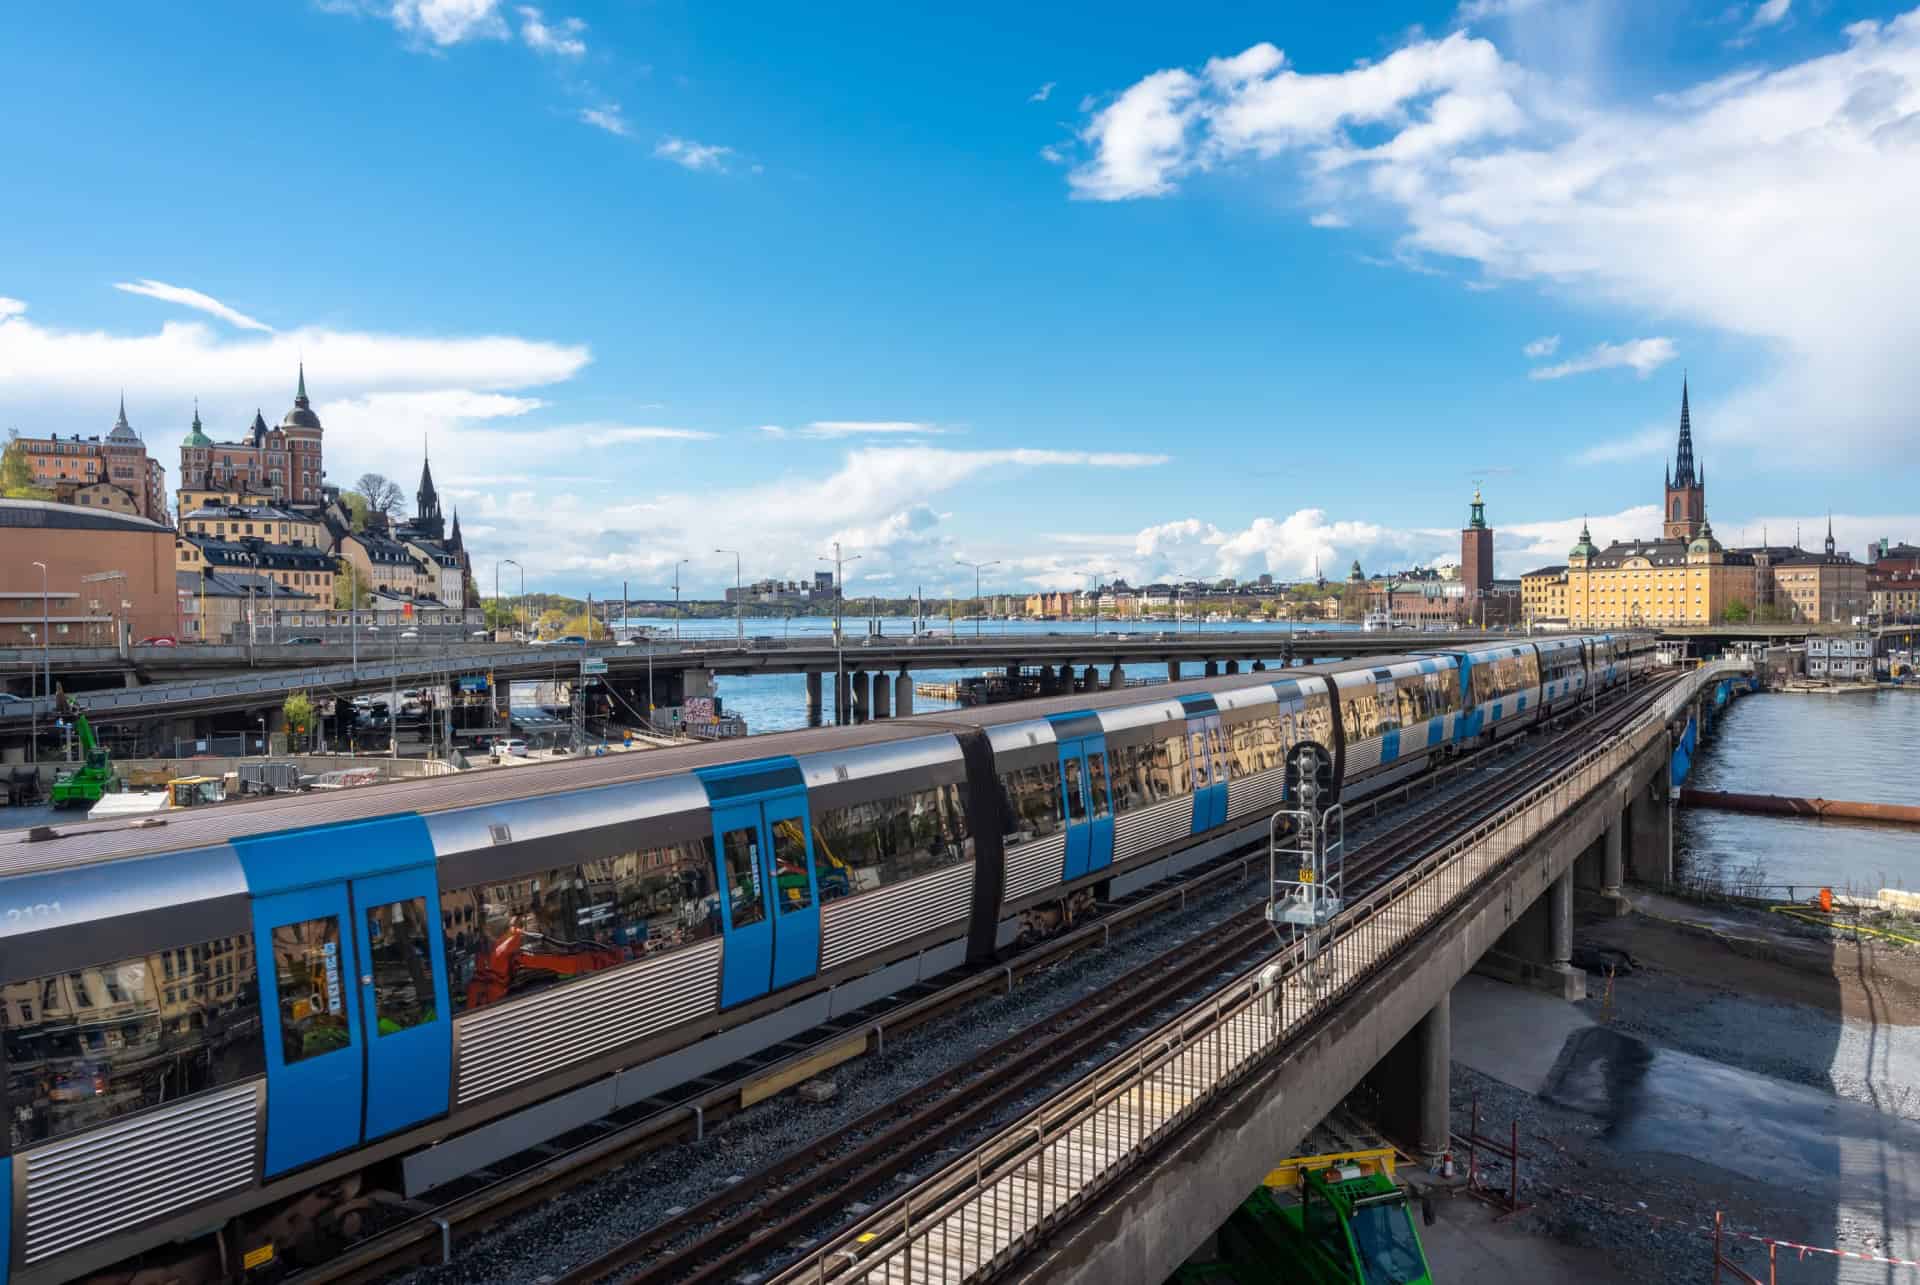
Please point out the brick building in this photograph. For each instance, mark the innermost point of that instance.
(130, 560)
(74, 467)
(282, 463)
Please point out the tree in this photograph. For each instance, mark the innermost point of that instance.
(587, 627)
(345, 585)
(382, 495)
(1736, 613)
(356, 506)
(16, 474)
(500, 613)
(298, 709)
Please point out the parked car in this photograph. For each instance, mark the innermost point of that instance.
(410, 634)
(574, 639)
(510, 745)
(479, 635)
(8, 698)
(159, 640)
(305, 640)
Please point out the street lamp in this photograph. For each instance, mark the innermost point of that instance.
(1187, 577)
(676, 596)
(1095, 576)
(977, 568)
(739, 623)
(46, 661)
(840, 561)
(526, 629)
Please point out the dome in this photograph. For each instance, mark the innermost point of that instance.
(1704, 542)
(301, 416)
(196, 436)
(1585, 548)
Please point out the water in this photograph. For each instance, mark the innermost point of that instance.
(1860, 746)
(778, 702)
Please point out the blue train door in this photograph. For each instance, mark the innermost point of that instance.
(770, 894)
(1089, 805)
(353, 986)
(1207, 762)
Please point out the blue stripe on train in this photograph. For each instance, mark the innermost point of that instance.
(1389, 746)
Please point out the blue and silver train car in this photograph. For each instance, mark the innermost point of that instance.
(208, 1014)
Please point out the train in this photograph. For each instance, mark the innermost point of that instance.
(217, 1023)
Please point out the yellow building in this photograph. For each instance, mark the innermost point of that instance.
(1543, 593)
(240, 521)
(1657, 582)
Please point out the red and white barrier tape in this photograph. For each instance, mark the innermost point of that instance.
(1728, 1233)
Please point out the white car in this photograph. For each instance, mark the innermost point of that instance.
(411, 633)
(513, 745)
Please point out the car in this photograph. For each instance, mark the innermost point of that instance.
(479, 635)
(513, 745)
(573, 639)
(628, 642)
(8, 698)
(305, 640)
(537, 642)
(159, 640)
(410, 634)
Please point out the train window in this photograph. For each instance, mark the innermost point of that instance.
(1172, 773)
(1033, 800)
(76, 1058)
(313, 1002)
(740, 858)
(564, 922)
(402, 965)
(1197, 756)
(1097, 783)
(1076, 799)
(790, 867)
(1217, 751)
(887, 841)
(1129, 784)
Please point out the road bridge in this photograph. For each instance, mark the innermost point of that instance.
(1119, 1179)
(681, 668)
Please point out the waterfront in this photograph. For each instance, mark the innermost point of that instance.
(1858, 746)
(778, 702)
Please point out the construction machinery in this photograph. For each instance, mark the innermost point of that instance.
(82, 786)
(1336, 1217)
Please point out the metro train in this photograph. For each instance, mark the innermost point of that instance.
(213, 1016)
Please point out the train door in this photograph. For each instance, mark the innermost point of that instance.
(769, 890)
(1386, 697)
(1088, 805)
(1207, 762)
(353, 987)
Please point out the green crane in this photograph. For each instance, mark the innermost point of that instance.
(83, 786)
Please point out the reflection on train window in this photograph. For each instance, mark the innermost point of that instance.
(1097, 783)
(312, 982)
(1143, 775)
(794, 889)
(1197, 752)
(1076, 800)
(740, 856)
(1033, 801)
(563, 922)
(870, 845)
(401, 961)
(85, 1047)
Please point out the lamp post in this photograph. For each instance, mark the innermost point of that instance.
(739, 622)
(1095, 577)
(676, 596)
(46, 661)
(840, 561)
(977, 568)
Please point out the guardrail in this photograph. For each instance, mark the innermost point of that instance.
(984, 1211)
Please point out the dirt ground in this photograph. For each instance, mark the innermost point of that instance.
(1766, 956)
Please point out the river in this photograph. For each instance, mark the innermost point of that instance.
(1861, 746)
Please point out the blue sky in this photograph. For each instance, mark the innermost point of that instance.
(1220, 291)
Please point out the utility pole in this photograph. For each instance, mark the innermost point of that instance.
(840, 561)
(676, 596)
(1095, 576)
(739, 623)
(977, 568)
(46, 662)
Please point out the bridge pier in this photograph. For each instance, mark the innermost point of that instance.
(1117, 676)
(903, 695)
(1233, 667)
(1091, 679)
(1259, 666)
(881, 692)
(1173, 671)
(1413, 1083)
(1650, 832)
(813, 697)
(1212, 670)
(862, 696)
(1537, 951)
(1613, 864)
(842, 698)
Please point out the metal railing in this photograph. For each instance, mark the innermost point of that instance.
(985, 1210)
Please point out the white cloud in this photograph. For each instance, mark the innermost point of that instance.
(607, 117)
(561, 39)
(1055, 154)
(617, 434)
(1769, 13)
(1545, 346)
(1645, 444)
(1043, 93)
(1774, 207)
(10, 307)
(1481, 10)
(693, 156)
(448, 22)
(1644, 356)
(190, 299)
(1329, 219)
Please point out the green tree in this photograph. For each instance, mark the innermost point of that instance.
(356, 506)
(16, 473)
(298, 709)
(500, 613)
(1736, 613)
(586, 626)
(344, 586)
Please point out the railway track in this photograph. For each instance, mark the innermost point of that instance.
(822, 1182)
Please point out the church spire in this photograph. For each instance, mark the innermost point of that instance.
(300, 394)
(122, 421)
(1829, 533)
(1683, 463)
